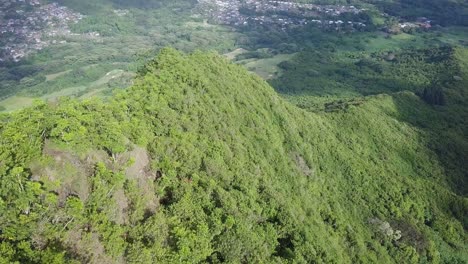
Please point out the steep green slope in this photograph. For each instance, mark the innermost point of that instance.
(201, 161)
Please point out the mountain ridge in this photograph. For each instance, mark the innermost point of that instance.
(226, 171)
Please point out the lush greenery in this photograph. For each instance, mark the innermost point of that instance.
(200, 161)
(124, 43)
(361, 157)
(349, 74)
(444, 12)
(87, 66)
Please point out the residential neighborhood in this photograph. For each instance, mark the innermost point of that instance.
(28, 25)
(280, 13)
(285, 14)
(421, 22)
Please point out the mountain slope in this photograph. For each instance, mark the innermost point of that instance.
(201, 161)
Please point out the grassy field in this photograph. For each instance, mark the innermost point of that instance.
(53, 76)
(15, 102)
(266, 68)
(233, 54)
(101, 87)
(381, 42)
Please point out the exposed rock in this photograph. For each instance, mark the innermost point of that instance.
(384, 228)
(302, 165)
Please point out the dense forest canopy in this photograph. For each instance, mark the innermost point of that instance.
(309, 131)
(200, 161)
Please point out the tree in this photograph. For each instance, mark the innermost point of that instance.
(433, 96)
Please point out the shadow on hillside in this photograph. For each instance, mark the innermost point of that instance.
(445, 127)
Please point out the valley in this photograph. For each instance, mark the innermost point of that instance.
(63, 41)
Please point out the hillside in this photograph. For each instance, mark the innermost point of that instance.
(201, 161)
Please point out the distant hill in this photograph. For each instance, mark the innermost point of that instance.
(443, 12)
(201, 161)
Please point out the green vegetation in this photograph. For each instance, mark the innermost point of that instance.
(124, 43)
(331, 73)
(267, 68)
(361, 157)
(129, 33)
(200, 161)
(444, 12)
